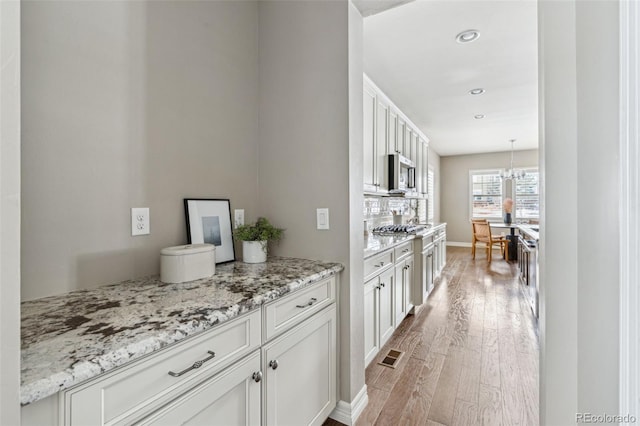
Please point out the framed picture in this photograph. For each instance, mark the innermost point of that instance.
(209, 221)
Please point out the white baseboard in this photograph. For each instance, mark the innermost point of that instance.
(457, 244)
(348, 413)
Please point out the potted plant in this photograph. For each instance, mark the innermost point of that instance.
(507, 206)
(254, 239)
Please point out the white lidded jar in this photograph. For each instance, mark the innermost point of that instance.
(254, 251)
(187, 263)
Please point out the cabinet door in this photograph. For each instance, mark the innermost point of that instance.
(425, 169)
(302, 362)
(402, 127)
(399, 293)
(371, 341)
(413, 153)
(231, 397)
(382, 140)
(386, 305)
(369, 135)
(408, 285)
(392, 147)
(408, 135)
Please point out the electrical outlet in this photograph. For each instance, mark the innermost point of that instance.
(238, 215)
(322, 218)
(140, 221)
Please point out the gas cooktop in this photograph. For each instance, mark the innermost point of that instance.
(397, 229)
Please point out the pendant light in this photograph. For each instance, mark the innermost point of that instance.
(512, 174)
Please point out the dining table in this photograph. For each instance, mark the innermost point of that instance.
(511, 253)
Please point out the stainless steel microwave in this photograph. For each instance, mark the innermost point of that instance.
(402, 173)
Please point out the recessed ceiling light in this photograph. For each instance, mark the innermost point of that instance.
(478, 91)
(468, 36)
(478, 116)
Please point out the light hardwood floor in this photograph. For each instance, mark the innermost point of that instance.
(470, 354)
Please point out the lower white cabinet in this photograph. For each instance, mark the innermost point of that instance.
(378, 312)
(300, 373)
(403, 289)
(229, 398)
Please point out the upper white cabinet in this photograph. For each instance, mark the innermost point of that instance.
(382, 143)
(369, 135)
(388, 131)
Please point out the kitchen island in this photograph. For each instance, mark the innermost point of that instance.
(72, 338)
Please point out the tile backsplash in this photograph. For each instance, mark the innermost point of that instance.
(380, 211)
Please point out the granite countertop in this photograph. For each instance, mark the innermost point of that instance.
(374, 244)
(73, 337)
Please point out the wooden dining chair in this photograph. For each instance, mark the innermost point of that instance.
(473, 236)
(482, 234)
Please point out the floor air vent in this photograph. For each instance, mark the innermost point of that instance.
(391, 359)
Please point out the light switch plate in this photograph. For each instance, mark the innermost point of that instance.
(238, 217)
(140, 221)
(322, 218)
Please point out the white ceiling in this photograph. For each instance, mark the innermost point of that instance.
(411, 53)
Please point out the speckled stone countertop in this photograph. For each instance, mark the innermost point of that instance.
(73, 337)
(374, 244)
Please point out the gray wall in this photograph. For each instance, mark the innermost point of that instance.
(454, 173)
(306, 146)
(130, 104)
(580, 279)
(9, 212)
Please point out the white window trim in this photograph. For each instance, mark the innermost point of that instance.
(470, 190)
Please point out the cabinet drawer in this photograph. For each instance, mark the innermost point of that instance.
(135, 390)
(377, 263)
(282, 314)
(403, 250)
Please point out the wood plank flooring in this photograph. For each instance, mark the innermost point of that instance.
(471, 353)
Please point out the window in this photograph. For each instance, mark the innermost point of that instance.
(527, 196)
(432, 194)
(486, 194)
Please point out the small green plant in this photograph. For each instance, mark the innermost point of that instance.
(262, 230)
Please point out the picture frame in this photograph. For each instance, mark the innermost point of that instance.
(209, 221)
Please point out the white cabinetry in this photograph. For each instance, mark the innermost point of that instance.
(382, 143)
(388, 131)
(430, 262)
(404, 281)
(229, 398)
(379, 289)
(300, 373)
(369, 138)
(217, 377)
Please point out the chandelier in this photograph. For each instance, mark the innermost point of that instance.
(511, 173)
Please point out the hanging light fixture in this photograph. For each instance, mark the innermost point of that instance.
(512, 173)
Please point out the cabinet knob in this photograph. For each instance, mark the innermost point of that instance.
(273, 364)
(381, 284)
(257, 376)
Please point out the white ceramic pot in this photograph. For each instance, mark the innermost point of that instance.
(254, 251)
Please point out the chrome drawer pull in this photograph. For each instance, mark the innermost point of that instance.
(381, 264)
(257, 377)
(311, 302)
(195, 365)
(405, 250)
(273, 364)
